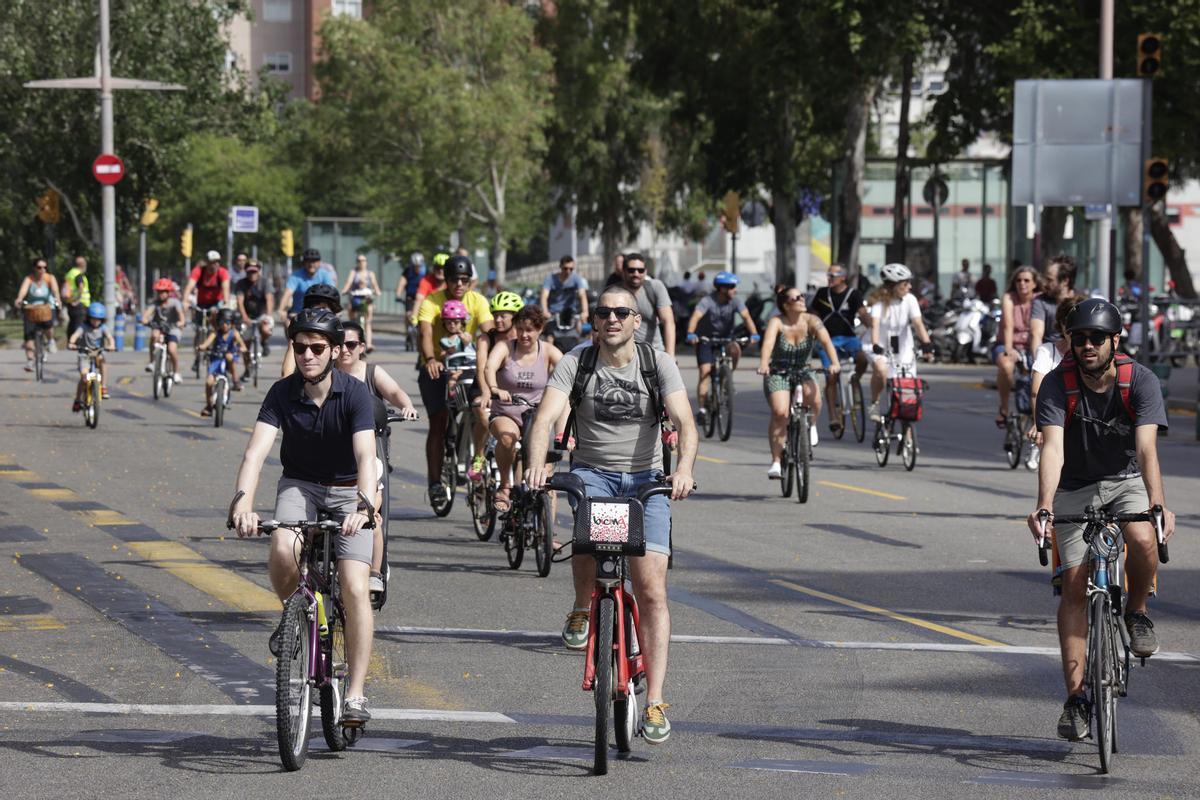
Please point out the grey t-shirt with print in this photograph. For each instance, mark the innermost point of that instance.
(650, 297)
(615, 428)
(719, 318)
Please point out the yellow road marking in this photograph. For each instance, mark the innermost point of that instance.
(106, 516)
(193, 568)
(195, 414)
(29, 622)
(125, 381)
(247, 430)
(849, 488)
(920, 623)
(10, 472)
(59, 493)
(712, 460)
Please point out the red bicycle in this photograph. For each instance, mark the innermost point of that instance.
(611, 530)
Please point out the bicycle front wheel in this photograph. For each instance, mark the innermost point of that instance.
(712, 407)
(787, 479)
(858, 411)
(725, 403)
(157, 376)
(219, 402)
(1101, 674)
(803, 453)
(39, 357)
(444, 502)
(293, 692)
(1012, 443)
(333, 693)
(91, 412)
(883, 444)
(838, 412)
(602, 688)
(543, 536)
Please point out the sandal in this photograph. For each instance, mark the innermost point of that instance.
(1001, 419)
(207, 412)
(835, 428)
(501, 502)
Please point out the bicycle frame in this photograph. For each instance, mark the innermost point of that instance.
(627, 666)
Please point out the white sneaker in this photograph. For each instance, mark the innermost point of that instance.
(149, 368)
(873, 412)
(812, 436)
(53, 345)
(29, 366)
(775, 472)
(177, 378)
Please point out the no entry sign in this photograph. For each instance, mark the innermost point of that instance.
(108, 169)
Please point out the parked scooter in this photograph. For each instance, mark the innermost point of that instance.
(975, 330)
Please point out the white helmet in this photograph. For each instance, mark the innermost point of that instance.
(894, 273)
(213, 255)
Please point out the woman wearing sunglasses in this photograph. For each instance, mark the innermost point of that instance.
(40, 291)
(787, 347)
(1016, 315)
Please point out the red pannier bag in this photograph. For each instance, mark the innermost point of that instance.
(906, 396)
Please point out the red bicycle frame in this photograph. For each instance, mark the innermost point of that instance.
(627, 666)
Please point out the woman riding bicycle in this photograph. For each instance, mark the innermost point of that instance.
(787, 347)
(504, 305)
(39, 288)
(1016, 311)
(516, 368)
(363, 288)
(895, 313)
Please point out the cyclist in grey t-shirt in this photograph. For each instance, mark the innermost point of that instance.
(652, 303)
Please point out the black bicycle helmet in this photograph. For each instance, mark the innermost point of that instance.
(323, 292)
(317, 320)
(1095, 314)
(458, 267)
(311, 254)
(225, 315)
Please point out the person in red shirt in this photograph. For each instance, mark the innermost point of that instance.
(211, 283)
(985, 287)
(434, 281)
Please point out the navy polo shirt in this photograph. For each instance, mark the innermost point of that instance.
(318, 442)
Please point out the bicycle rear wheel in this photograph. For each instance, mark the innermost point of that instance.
(858, 410)
(333, 693)
(219, 401)
(293, 693)
(908, 446)
(1101, 674)
(712, 407)
(442, 504)
(725, 403)
(543, 535)
(602, 688)
(514, 538)
(1012, 443)
(39, 357)
(882, 443)
(838, 412)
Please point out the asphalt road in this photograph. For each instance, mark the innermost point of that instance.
(893, 636)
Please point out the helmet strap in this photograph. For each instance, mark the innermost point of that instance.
(324, 373)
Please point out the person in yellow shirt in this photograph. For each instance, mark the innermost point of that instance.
(432, 374)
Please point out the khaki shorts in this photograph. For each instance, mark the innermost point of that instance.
(297, 500)
(1126, 496)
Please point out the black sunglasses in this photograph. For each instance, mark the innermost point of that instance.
(1097, 338)
(349, 344)
(622, 313)
(318, 348)
(635, 270)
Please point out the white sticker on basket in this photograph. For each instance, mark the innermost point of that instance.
(610, 522)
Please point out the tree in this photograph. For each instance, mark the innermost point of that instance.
(50, 138)
(441, 109)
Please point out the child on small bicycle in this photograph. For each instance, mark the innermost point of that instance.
(456, 340)
(92, 335)
(165, 318)
(222, 345)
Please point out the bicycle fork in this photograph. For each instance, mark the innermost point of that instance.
(623, 600)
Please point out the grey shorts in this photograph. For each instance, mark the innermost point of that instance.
(297, 500)
(1126, 496)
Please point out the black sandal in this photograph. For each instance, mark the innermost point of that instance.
(1001, 420)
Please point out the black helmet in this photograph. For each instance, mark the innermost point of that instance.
(458, 267)
(311, 254)
(322, 291)
(1094, 314)
(317, 320)
(225, 315)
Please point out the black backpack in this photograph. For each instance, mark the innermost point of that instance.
(647, 365)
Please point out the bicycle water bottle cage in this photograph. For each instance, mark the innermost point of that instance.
(610, 525)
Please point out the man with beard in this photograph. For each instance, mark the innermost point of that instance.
(653, 304)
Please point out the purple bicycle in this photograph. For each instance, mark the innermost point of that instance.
(312, 642)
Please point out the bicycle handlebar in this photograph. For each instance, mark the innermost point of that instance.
(1095, 516)
(572, 485)
(267, 526)
(392, 417)
(725, 339)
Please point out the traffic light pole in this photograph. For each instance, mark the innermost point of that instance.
(141, 266)
(1144, 299)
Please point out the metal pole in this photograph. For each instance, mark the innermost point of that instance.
(142, 266)
(983, 214)
(108, 194)
(733, 237)
(1144, 300)
(1105, 266)
(937, 213)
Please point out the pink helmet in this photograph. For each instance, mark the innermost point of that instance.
(454, 309)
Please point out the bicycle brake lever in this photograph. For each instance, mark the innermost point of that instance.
(229, 520)
(1043, 548)
(1156, 515)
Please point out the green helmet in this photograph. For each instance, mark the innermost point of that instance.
(507, 301)
(440, 258)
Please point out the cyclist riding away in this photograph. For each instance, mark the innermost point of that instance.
(563, 298)
(309, 275)
(39, 288)
(720, 311)
(504, 305)
(256, 302)
(516, 368)
(839, 306)
(166, 319)
(210, 281)
(432, 379)
(1100, 415)
(895, 312)
(328, 458)
(1016, 312)
(617, 390)
(92, 335)
(787, 348)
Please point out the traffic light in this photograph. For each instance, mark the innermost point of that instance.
(185, 242)
(1156, 178)
(1149, 55)
(149, 213)
(731, 211)
(48, 211)
(286, 244)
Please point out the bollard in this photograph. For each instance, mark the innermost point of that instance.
(119, 331)
(140, 332)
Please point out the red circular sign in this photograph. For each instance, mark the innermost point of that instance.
(108, 169)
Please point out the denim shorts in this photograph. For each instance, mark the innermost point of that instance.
(844, 346)
(602, 483)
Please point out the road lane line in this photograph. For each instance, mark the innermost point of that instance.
(58, 493)
(193, 568)
(712, 460)
(29, 622)
(849, 488)
(920, 623)
(105, 516)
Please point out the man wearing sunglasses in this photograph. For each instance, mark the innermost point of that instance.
(431, 378)
(1099, 448)
(652, 303)
(328, 459)
(618, 450)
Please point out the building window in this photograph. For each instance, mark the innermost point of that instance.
(347, 8)
(277, 10)
(279, 63)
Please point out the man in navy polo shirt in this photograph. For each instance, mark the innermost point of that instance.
(328, 457)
